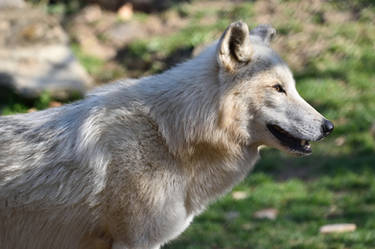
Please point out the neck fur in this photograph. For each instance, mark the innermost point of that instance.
(192, 109)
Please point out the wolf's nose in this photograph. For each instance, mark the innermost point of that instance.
(327, 127)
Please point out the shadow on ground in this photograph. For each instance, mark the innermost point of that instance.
(138, 61)
(308, 168)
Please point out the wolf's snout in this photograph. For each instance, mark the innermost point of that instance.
(327, 127)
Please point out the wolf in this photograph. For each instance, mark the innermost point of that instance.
(133, 163)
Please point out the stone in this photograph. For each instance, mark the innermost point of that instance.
(124, 33)
(90, 44)
(92, 13)
(30, 71)
(12, 4)
(35, 56)
(140, 5)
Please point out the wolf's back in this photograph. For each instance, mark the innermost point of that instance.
(38, 157)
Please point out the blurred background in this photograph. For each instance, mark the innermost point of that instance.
(53, 51)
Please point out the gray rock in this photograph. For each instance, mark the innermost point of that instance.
(141, 5)
(12, 3)
(123, 33)
(51, 68)
(35, 56)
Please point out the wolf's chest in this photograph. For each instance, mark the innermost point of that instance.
(212, 182)
(171, 222)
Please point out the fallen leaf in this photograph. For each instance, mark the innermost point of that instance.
(125, 12)
(54, 104)
(338, 228)
(239, 195)
(340, 141)
(269, 213)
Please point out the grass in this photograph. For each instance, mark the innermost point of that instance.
(334, 185)
(13, 104)
(303, 208)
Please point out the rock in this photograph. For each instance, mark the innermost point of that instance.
(12, 4)
(92, 13)
(83, 30)
(35, 56)
(50, 68)
(90, 44)
(338, 228)
(34, 28)
(269, 213)
(101, 37)
(141, 5)
(123, 33)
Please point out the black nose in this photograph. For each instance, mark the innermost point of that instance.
(327, 127)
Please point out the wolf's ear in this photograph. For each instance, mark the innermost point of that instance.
(265, 32)
(234, 46)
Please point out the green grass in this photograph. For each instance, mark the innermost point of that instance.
(334, 185)
(92, 64)
(13, 104)
(303, 208)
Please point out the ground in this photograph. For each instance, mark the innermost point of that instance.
(330, 47)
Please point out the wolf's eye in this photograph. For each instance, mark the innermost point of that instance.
(279, 88)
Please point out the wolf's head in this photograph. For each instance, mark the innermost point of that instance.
(261, 85)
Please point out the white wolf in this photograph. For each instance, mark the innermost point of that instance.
(131, 165)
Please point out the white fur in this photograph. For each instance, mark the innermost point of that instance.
(132, 164)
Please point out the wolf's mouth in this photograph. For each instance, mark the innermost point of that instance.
(293, 143)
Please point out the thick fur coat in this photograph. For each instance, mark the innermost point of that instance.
(130, 165)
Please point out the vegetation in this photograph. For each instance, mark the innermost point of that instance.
(330, 47)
